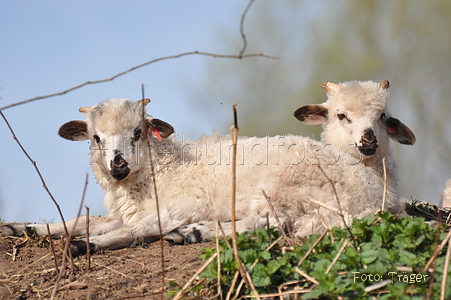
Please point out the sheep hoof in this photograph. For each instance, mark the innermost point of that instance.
(7, 230)
(15, 229)
(78, 247)
(188, 234)
(174, 237)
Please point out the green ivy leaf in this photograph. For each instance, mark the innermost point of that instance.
(369, 256)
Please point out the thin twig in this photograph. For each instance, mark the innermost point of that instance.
(44, 185)
(437, 251)
(67, 251)
(244, 274)
(325, 206)
(243, 36)
(188, 284)
(339, 205)
(52, 249)
(345, 243)
(240, 285)
(319, 239)
(302, 273)
(132, 69)
(232, 286)
(88, 249)
(445, 271)
(377, 285)
(277, 218)
(154, 181)
(384, 196)
(115, 271)
(219, 260)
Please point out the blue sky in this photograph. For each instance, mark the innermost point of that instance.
(50, 46)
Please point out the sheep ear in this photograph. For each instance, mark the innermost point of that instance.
(385, 84)
(159, 129)
(399, 132)
(74, 131)
(312, 114)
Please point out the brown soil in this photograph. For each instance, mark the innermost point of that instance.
(132, 273)
(27, 267)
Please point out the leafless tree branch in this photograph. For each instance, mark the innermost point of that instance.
(44, 185)
(132, 69)
(243, 36)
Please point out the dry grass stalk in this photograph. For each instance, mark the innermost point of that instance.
(294, 292)
(277, 219)
(445, 270)
(310, 278)
(232, 286)
(219, 260)
(345, 243)
(376, 286)
(157, 203)
(339, 205)
(437, 251)
(244, 274)
(67, 251)
(237, 292)
(384, 196)
(224, 236)
(432, 261)
(313, 247)
(190, 282)
(52, 249)
(18, 245)
(325, 206)
(88, 249)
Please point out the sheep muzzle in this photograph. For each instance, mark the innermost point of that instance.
(119, 168)
(368, 143)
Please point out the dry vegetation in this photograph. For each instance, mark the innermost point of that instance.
(27, 268)
(28, 271)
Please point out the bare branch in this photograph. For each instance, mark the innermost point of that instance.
(277, 218)
(44, 185)
(67, 251)
(154, 181)
(88, 249)
(132, 69)
(243, 36)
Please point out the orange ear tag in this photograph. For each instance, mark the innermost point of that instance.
(157, 134)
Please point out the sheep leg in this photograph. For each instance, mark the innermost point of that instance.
(204, 231)
(98, 225)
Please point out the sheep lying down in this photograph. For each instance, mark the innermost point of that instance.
(307, 181)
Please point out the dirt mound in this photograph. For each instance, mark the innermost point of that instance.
(27, 271)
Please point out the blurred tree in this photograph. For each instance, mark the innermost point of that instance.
(405, 42)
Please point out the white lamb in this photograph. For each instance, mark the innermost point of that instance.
(193, 178)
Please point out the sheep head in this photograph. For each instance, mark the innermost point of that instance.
(118, 135)
(355, 118)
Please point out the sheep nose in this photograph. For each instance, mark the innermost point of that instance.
(118, 162)
(368, 137)
(368, 142)
(119, 169)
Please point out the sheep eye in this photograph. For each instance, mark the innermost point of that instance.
(137, 134)
(383, 116)
(96, 138)
(341, 116)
